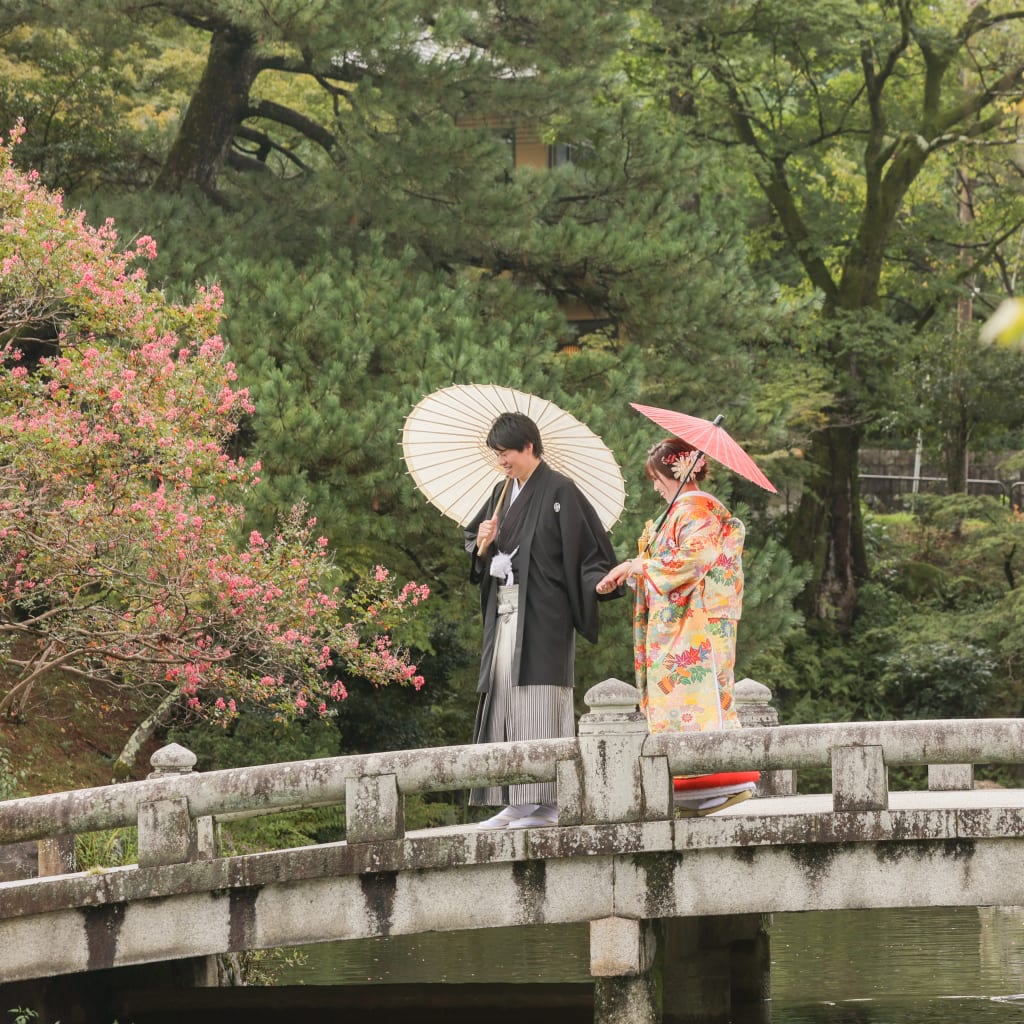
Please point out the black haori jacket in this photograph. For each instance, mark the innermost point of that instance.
(563, 552)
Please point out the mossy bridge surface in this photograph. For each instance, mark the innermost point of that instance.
(657, 890)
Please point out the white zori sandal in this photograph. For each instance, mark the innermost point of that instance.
(522, 816)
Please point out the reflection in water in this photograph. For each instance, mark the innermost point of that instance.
(959, 965)
(899, 1011)
(541, 953)
(1002, 944)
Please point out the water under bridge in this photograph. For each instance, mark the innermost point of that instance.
(675, 906)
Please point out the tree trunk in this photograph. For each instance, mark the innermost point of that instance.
(217, 108)
(955, 456)
(124, 766)
(826, 529)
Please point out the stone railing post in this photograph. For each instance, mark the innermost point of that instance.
(755, 710)
(860, 779)
(950, 776)
(374, 809)
(612, 781)
(167, 832)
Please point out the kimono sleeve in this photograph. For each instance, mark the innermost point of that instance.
(587, 556)
(691, 549)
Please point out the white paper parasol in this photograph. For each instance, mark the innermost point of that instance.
(444, 441)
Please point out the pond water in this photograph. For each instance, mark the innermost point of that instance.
(921, 966)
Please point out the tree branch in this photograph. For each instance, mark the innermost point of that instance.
(776, 187)
(283, 115)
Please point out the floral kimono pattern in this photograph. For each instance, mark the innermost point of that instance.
(685, 612)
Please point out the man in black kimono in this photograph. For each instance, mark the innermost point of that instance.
(538, 551)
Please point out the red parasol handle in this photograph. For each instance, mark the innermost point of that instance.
(716, 422)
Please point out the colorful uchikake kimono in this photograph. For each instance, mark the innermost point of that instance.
(685, 614)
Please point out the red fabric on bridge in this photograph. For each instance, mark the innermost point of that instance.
(683, 783)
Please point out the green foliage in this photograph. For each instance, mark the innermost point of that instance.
(960, 396)
(820, 680)
(94, 111)
(23, 1015)
(937, 632)
(941, 616)
(95, 851)
(940, 680)
(284, 831)
(955, 551)
(11, 778)
(921, 581)
(256, 737)
(771, 585)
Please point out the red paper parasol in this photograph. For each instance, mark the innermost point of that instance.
(710, 438)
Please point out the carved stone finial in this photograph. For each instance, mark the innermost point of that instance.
(612, 693)
(174, 759)
(613, 709)
(750, 691)
(754, 704)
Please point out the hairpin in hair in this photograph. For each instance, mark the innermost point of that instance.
(681, 471)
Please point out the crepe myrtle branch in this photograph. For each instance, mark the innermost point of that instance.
(34, 669)
(120, 556)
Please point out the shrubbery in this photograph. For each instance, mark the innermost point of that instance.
(121, 556)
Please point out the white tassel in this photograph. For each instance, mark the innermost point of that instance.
(501, 567)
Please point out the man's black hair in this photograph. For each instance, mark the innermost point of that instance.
(515, 430)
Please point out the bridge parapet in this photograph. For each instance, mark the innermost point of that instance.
(857, 753)
(617, 859)
(613, 772)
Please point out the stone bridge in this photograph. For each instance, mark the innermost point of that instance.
(675, 906)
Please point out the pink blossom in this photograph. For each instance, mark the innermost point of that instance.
(115, 479)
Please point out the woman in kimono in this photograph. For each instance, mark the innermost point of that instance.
(537, 549)
(688, 578)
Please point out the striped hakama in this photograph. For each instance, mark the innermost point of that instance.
(508, 712)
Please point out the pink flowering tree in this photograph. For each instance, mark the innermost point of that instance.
(120, 559)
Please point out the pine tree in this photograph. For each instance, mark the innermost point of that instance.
(357, 198)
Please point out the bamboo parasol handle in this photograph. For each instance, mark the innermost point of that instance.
(497, 508)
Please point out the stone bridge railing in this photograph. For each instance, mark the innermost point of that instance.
(617, 859)
(614, 772)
